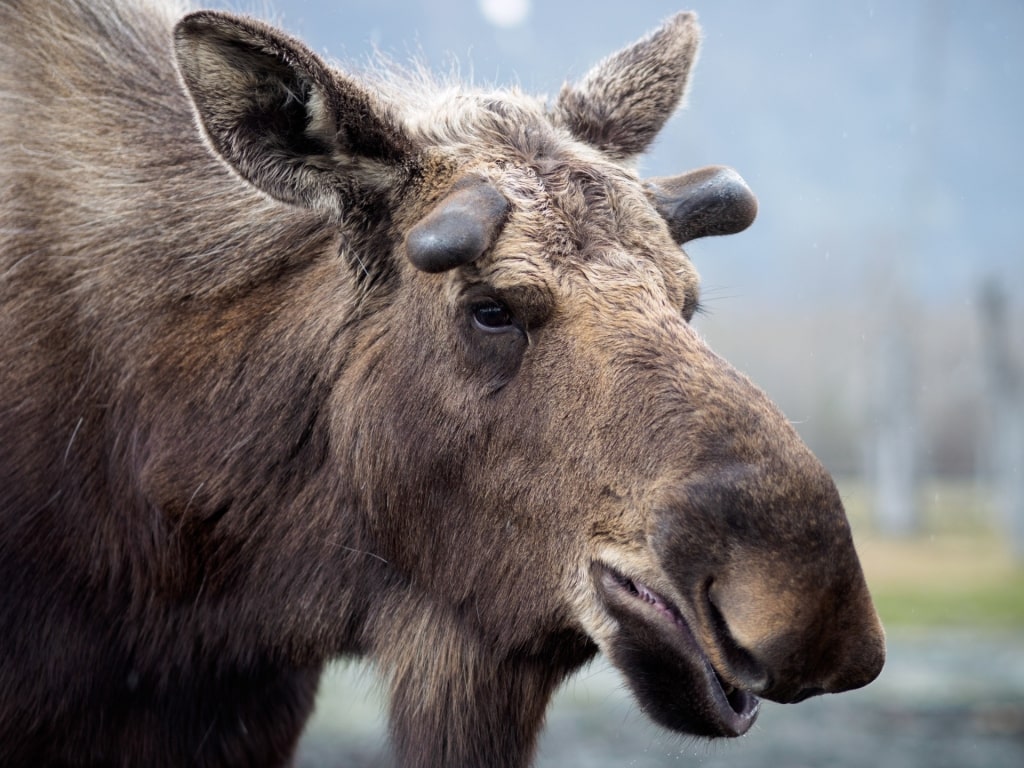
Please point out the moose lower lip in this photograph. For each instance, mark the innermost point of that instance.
(736, 708)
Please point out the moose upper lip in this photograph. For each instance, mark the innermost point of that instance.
(734, 708)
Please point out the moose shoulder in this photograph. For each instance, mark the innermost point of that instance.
(297, 365)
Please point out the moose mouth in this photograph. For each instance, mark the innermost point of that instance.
(668, 671)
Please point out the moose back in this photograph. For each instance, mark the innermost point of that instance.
(297, 364)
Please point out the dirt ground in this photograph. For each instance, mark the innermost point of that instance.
(946, 699)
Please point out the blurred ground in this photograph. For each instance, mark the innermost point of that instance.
(947, 699)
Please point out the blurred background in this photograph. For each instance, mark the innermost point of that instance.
(879, 299)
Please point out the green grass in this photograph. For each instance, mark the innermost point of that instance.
(986, 605)
(957, 571)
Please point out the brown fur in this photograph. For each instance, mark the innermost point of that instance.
(242, 434)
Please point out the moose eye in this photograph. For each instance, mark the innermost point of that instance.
(492, 317)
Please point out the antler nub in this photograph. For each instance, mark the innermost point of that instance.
(709, 201)
(459, 229)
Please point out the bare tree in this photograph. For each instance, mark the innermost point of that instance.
(892, 451)
(1003, 451)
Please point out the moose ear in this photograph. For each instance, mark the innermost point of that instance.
(622, 103)
(275, 112)
(709, 201)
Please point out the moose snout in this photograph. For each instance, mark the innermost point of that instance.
(780, 600)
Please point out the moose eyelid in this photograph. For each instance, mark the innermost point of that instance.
(482, 304)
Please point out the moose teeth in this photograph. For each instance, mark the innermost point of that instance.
(640, 590)
(652, 598)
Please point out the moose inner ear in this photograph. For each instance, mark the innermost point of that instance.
(460, 228)
(709, 201)
(275, 112)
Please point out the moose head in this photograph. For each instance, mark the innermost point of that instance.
(540, 441)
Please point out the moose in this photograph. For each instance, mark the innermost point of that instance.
(298, 365)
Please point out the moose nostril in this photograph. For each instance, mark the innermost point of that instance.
(790, 631)
(743, 665)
